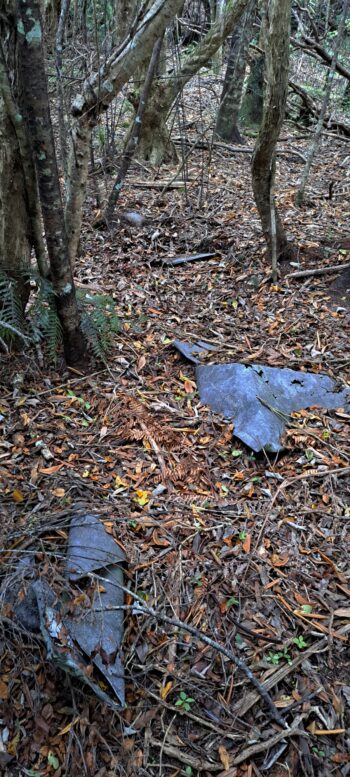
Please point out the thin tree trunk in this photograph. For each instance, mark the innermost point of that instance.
(35, 101)
(60, 91)
(134, 136)
(227, 118)
(263, 163)
(164, 94)
(318, 131)
(98, 92)
(30, 191)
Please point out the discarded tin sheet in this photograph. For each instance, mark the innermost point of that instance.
(98, 630)
(260, 399)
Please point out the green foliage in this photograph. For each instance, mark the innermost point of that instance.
(300, 642)
(184, 702)
(11, 311)
(275, 658)
(99, 323)
(98, 318)
(43, 321)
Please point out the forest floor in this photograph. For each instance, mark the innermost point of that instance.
(250, 550)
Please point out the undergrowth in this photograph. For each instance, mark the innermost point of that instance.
(41, 323)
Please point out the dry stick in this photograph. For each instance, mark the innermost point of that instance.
(318, 271)
(139, 607)
(259, 747)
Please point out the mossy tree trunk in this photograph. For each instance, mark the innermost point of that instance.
(253, 101)
(15, 223)
(35, 106)
(227, 118)
(263, 163)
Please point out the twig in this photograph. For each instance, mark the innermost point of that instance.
(260, 747)
(140, 607)
(317, 271)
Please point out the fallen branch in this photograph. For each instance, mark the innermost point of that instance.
(140, 607)
(317, 271)
(261, 747)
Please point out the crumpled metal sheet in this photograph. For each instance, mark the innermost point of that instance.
(260, 399)
(98, 630)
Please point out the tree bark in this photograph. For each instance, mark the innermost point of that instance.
(253, 100)
(35, 102)
(263, 163)
(154, 141)
(227, 118)
(15, 224)
(134, 136)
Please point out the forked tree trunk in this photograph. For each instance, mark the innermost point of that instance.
(155, 137)
(35, 105)
(132, 143)
(263, 163)
(98, 91)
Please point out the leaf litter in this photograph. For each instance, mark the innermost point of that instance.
(248, 551)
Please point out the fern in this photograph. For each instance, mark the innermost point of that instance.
(44, 323)
(12, 322)
(100, 323)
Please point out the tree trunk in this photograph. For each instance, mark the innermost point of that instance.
(263, 163)
(98, 92)
(35, 102)
(227, 118)
(132, 143)
(154, 140)
(253, 100)
(15, 223)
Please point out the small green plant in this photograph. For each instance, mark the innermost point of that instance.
(242, 536)
(300, 642)
(188, 771)
(281, 655)
(99, 321)
(184, 701)
(318, 752)
(231, 601)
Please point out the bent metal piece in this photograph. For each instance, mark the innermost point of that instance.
(260, 399)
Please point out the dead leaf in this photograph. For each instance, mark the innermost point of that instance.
(247, 543)
(279, 561)
(165, 690)
(224, 757)
(4, 691)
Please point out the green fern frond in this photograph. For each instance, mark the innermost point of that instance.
(99, 323)
(12, 322)
(44, 322)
